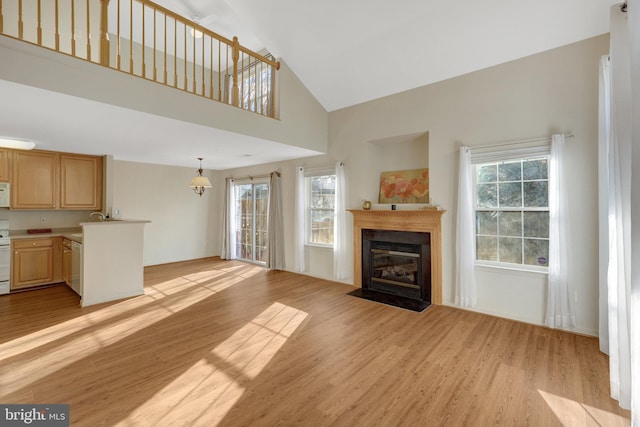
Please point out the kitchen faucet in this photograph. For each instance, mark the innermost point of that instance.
(99, 214)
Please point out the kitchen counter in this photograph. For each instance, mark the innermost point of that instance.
(71, 233)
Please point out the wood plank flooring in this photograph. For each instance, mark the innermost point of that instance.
(230, 344)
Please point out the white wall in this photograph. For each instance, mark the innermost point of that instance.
(183, 225)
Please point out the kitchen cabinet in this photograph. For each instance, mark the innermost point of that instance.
(80, 182)
(34, 180)
(5, 165)
(50, 180)
(32, 262)
(66, 261)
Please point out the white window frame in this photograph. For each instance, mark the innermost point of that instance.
(308, 209)
(492, 157)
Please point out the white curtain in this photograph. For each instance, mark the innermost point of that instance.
(275, 254)
(619, 248)
(465, 234)
(299, 234)
(340, 238)
(228, 246)
(561, 310)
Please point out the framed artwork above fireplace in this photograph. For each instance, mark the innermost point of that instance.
(406, 186)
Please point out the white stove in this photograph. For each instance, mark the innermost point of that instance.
(5, 257)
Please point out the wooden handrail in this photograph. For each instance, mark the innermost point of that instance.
(198, 60)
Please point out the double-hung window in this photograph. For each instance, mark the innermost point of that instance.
(512, 212)
(320, 209)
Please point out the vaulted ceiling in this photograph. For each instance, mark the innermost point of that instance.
(344, 51)
(351, 51)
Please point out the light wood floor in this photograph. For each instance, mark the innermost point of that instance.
(230, 344)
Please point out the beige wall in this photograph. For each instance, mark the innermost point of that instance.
(551, 92)
(183, 225)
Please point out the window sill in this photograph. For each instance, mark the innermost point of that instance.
(519, 269)
(318, 246)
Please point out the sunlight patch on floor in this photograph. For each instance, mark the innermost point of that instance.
(572, 413)
(208, 390)
(61, 345)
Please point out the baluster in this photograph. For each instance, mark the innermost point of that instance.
(57, 26)
(144, 65)
(118, 45)
(130, 36)
(165, 49)
(175, 54)
(194, 60)
(39, 23)
(211, 67)
(73, 28)
(20, 23)
(203, 85)
(155, 66)
(88, 33)
(104, 32)
(235, 56)
(186, 82)
(2, 18)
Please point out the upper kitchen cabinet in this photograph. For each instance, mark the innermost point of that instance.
(51, 180)
(5, 165)
(33, 180)
(80, 182)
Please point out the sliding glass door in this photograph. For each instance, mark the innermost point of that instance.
(252, 202)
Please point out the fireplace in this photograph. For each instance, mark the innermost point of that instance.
(397, 263)
(398, 273)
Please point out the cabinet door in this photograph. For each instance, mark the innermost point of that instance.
(33, 184)
(80, 182)
(5, 164)
(32, 267)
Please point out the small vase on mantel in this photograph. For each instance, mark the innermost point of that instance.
(366, 205)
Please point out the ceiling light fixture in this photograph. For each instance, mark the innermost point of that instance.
(19, 144)
(200, 182)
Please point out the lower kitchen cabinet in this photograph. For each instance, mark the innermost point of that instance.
(66, 261)
(35, 262)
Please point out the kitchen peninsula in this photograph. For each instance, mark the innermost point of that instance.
(112, 266)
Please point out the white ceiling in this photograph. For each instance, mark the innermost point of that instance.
(345, 52)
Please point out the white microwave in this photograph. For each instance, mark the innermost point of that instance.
(4, 195)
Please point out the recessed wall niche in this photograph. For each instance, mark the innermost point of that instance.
(401, 152)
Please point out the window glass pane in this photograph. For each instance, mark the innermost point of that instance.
(536, 194)
(510, 223)
(323, 190)
(322, 227)
(487, 173)
(510, 171)
(487, 196)
(536, 224)
(510, 195)
(535, 169)
(487, 223)
(536, 252)
(510, 250)
(487, 248)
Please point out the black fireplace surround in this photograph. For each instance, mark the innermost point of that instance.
(397, 264)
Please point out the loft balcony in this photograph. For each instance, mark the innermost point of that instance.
(143, 39)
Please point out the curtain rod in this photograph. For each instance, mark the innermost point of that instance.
(623, 7)
(252, 177)
(522, 141)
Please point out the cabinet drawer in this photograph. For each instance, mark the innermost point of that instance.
(32, 243)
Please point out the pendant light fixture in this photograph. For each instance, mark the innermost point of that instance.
(200, 182)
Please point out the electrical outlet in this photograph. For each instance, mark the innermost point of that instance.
(116, 213)
(42, 220)
(575, 296)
